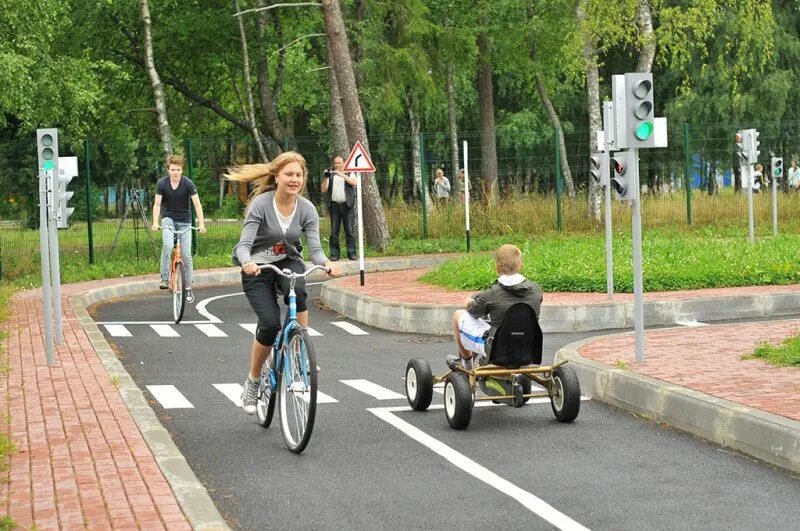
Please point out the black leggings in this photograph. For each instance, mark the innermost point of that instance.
(263, 296)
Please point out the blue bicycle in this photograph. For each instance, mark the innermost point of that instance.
(292, 374)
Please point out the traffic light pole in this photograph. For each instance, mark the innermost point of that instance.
(751, 222)
(774, 205)
(605, 169)
(638, 280)
(55, 263)
(44, 253)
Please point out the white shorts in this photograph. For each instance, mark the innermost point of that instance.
(472, 330)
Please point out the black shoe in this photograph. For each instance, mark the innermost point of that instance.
(352, 257)
(334, 258)
(454, 361)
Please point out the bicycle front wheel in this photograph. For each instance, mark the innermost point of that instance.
(297, 395)
(178, 293)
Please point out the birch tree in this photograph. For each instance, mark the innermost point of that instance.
(155, 80)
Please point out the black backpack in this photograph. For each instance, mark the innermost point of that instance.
(518, 340)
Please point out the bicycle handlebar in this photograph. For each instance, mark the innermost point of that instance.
(288, 273)
(176, 231)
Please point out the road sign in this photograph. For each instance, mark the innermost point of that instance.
(358, 161)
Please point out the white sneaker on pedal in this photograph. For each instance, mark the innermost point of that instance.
(189, 296)
(249, 396)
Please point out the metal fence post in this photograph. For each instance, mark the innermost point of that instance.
(190, 171)
(89, 200)
(423, 186)
(559, 221)
(687, 169)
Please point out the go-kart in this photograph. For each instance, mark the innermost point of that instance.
(514, 361)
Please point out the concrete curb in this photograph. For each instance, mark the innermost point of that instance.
(437, 319)
(768, 437)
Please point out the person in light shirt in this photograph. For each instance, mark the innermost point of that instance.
(340, 189)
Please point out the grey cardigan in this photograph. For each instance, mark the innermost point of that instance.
(261, 231)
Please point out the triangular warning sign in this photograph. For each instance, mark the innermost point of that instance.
(358, 161)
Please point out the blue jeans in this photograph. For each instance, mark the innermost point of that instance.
(167, 242)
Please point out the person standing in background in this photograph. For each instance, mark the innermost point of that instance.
(340, 190)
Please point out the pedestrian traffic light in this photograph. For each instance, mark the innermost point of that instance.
(47, 149)
(595, 168)
(754, 144)
(621, 179)
(777, 168)
(741, 147)
(63, 196)
(634, 110)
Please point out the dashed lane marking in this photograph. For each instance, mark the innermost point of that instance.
(372, 389)
(169, 397)
(211, 330)
(118, 330)
(165, 330)
(350, 328)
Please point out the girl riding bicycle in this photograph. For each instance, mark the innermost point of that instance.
(275, 217)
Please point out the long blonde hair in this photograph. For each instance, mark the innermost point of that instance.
(265, 174)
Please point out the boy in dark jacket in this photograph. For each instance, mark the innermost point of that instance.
(485, 311)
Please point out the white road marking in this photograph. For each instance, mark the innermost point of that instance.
(211, 330)
(232, 391)
(526, 499)
(106, 323)
(250, 327)
(322, 398)
(439, 388)
(201, 306)
(165, 330)
(312, 332)
(692, 323)
(350, 328)
(118, 330)
(372, 389)
(169, 397)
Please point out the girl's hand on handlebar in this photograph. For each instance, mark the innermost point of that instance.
(333, 269)
(251, 268)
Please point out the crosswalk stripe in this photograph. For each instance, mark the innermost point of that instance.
(312, 332)
(250, 327)
(372, 389)
(350, 328)
(211, 330)
(169, 397)
(322, 398)
(118, 330)
(232, 391)
(165, 330)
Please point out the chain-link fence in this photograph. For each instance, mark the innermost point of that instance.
(119, 177)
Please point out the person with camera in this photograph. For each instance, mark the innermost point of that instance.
(176, 193)
(340, 189)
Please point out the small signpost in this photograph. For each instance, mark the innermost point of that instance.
(359, 162)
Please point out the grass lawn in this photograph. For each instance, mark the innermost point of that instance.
(787, 354)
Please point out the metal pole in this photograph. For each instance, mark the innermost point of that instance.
(638, 279)
(751, 222)
(89, 201)
(608, 113)
(55, 262)
(466, 188)
(190, 168)
(359, 203)
(559, 224)
(687, 177)
(774, 206)
(423, 187)
(44, 253)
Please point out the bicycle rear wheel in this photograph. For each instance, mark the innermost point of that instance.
(178, 293)
(297, 393)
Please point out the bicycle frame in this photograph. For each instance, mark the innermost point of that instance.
(176, 253)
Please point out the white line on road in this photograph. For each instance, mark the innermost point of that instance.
(322, 398)
(118, 330)
(312, 332)
(231, 390)
(169, 397)
(250, 327)
(211, 330)
(350, 328)
(201, 306)
(165, 330)
(529, 501)
(372, 389)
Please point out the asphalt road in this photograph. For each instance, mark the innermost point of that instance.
(374, 464)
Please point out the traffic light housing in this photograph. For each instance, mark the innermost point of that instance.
(741, 147)
(47, 149)
(62, 199)
(595, 168)
(622, 181)
(634, 110)
(753, 145)
(777, 168)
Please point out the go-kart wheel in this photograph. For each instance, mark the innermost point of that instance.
(565, 396)
(458, 400)
(525, 383)
(419, 384)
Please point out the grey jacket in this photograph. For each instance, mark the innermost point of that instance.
(495, 301)
(261, 232)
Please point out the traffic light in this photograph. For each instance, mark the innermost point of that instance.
(62, 198)
(754, 144)
(47, 149)
(741, 147)
(621, 180)
(777, 168)
(634, 110)
(595, 161)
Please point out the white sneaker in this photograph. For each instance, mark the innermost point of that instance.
(189, 296)
(249, 396)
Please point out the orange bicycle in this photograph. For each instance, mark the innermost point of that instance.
(177, 275)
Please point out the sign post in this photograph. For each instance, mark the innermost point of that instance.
(358, 162)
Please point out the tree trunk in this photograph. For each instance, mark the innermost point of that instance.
(486, 104)
(155, 81)
(551, 112)
(248, 86)
(374, 219)
(339, 145)
(451, 118)
(595, 191)
(644, 21)
(413, 119)
(269, 114)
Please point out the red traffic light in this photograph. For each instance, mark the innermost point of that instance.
(618, 166)
(739, 137)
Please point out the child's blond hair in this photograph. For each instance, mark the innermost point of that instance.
(508, 259)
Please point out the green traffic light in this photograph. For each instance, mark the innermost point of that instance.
(644, 130)
(49, 165)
